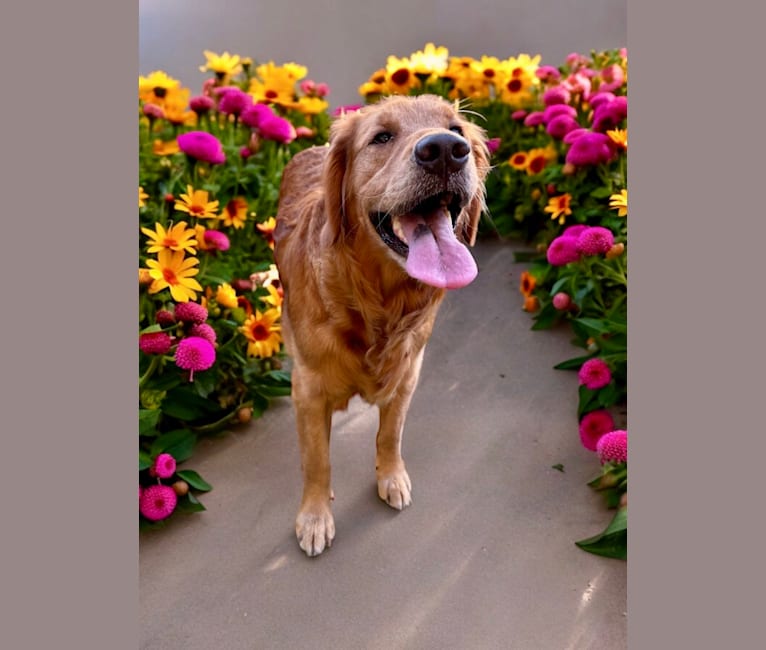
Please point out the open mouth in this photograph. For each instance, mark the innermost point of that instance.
(392, 230)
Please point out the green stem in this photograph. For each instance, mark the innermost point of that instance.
(156, 361)
(212, 426)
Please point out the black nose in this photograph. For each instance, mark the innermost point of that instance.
(442, 152)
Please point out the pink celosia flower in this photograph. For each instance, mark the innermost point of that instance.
(613, 77)
(204, 331)
(607, 117)
(594, 374)
(562, 301)
(574, 231)
(575, 60)
(322, 90)
(570, 137)
(201, 104)
(245, 152)
(190, 312)
(578, 83)
(347, 108)
(535, 118)
(195, 354)
(164, 318)
(612, 447)
(154, 343)
(304, 132)
(253, 115)
(519, 115)
(599, 98)
(593, 425)
(493, 144)
(234, 101)
(208, 87)
(152, 111)
(595, 240)
(164, 466)
(202, 145)
(158, 502)
(560, 125)
(308, 87)
(562, 250)
(590, 149)
(556, 95)
(277, 128)
(547, 73)
(216, 240)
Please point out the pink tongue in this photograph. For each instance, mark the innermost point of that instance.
(436, 257)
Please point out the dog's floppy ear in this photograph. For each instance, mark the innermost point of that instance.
(334, 174)
(468, 222)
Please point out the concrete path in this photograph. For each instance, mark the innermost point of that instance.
(484, 557)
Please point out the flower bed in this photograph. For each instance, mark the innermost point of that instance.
(210, 345)
(558, 135)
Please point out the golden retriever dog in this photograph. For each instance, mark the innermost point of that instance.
(371, 231)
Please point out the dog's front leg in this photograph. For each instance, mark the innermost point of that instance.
(314, 525)
(394, 485)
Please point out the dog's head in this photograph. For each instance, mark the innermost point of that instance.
(408, 173)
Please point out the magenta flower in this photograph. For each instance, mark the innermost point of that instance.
(153, 112)
(578, 83)
(613, 77)
(574, 231)
(277, 128)
(202, 145)
(493, 144)
(216, 240)
(157, 502)
(554, 110)
(560, 125)
(547, 73)
(599, 98)
(254, 114)
(535, 118)
(606, 116)
(593, 425)
(570, 137)
(308, 87)
(233, 101)
(590, 149)
(204, 331)
(165, 318)
(612, 447)
(190, 312)
(195, 354)
(594, 374)
(154, 343)
(562, 301)
(201, 104)
(556, 95)
(562, 250)
(322, 89)
(519, 115)
(595, 240)
(575, 60)
(304, 132)
(245, 152)
(164, 466)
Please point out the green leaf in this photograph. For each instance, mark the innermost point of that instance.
(607, 396)
(547, 317)
(558, 466)
(612, 541)
(152, 328)
(587, 400)
(601, 192)
(147, 421)
(178, 443)
(572, 364)
(189, 504)
(195, 480)
(144, 461)
(184, 403)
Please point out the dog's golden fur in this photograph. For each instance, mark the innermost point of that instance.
(354, 321)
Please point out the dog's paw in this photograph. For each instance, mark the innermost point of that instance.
(395, 488)
(315, 531)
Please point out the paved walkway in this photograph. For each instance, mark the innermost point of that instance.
(484, 557)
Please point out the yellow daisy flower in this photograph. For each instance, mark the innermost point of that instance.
(142, 196)
(524, 66)
(177, 238)
(234, 213)
(177, 108)
(559, 208)
(195, 202)
(174, 271)
(274, 86)
(519, 160)
(538, 159)
(527, 284)
(223, 65)
(399, 77)
(267, 228)
(263, 333)
(490, 68)
(155, 86)
(516, 91)
(619, 137)
(162, 148)
(619, 202)
(226, 296)
(430, 60)
(274, 298)
(311, 105)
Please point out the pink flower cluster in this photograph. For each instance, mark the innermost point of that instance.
(270, 126)
(158, 502)
(577, 241)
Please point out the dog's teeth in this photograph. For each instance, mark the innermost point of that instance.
(398, 230)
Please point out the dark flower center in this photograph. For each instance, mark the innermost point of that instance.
(401, 76)
(160, 92)
(260, 333)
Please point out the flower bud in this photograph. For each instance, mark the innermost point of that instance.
(181, 488)
(615, 251)
(245, 414)
(562, 301)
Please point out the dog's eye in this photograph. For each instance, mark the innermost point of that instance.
(382, 137)
(457, 129)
